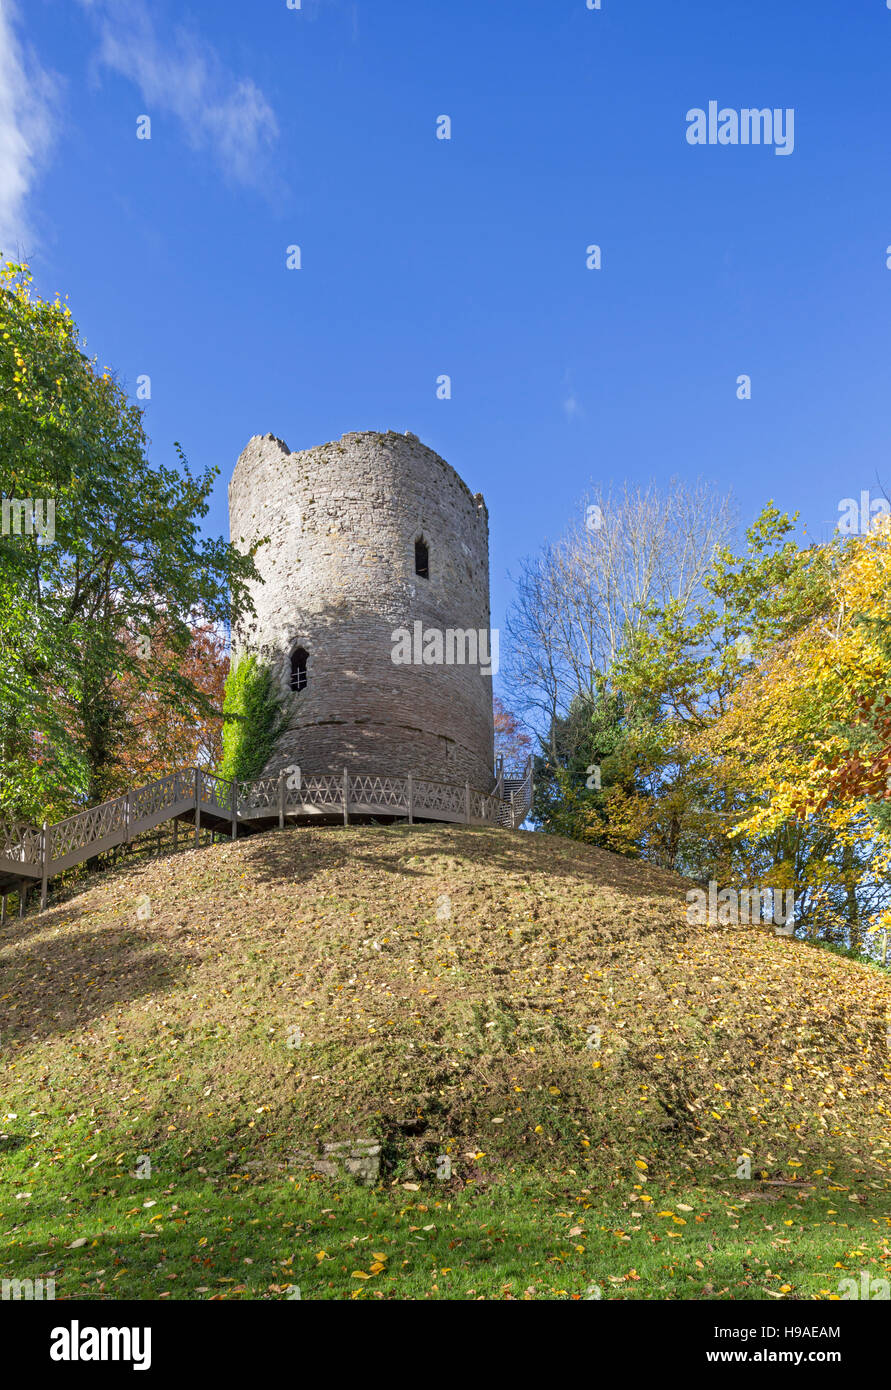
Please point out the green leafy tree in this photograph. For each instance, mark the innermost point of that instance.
(121, 559)
(679, 672)
(584, 764)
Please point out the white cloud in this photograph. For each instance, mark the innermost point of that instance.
(183, 75)
(27, 102)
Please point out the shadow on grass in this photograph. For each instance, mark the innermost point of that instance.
(60, 977)
(299, 853)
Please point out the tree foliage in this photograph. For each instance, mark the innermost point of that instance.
(254, 715)
(80, 608)
(749, 730)
(159, 735)
(512, 742)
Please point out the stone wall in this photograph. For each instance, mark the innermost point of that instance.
(339, 571)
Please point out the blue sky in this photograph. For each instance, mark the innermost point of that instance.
(317, 127)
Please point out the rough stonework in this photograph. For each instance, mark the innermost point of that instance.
(339, 572)
(359, 1159)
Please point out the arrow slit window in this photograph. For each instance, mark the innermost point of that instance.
(299, 658)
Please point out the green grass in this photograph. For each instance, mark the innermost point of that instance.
(221, 1233)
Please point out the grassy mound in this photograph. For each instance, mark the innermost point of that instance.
(535, 1012)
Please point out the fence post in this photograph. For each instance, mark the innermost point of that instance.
(281, 800)
(197, 808)
(127, 819)
(234, 796)
(2, 909)
(23, 898)
(467, 802)
(513, 814)
(346, 797)
(44, 855)
(411, 798)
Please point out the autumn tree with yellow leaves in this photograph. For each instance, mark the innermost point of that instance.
(806, 740)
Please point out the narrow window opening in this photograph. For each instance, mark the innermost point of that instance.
(299, 658)
(422, 558)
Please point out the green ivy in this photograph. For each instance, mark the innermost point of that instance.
(253, 718)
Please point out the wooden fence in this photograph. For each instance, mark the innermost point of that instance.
(30, 857)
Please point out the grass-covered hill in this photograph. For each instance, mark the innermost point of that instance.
(599, 1074)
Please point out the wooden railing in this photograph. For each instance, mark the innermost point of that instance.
(21, 844)
(29, 855)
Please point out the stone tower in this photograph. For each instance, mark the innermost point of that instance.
(369, 537)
